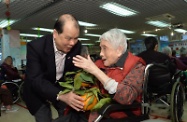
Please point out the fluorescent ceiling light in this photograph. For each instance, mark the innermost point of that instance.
(118, 9)
(81, 23)
(127, 31)
(129, 38)
(158, 23)
(83, 39)
(26, 40)
(99, 40)
(4, 23)
(88, 44)
(147, 34)
(180, 30)
(43, 29)
(94, 35)
(29, 35)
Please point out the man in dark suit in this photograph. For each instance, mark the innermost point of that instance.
(151, 55)
(48, 59)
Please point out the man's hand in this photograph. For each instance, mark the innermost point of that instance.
(73, 100)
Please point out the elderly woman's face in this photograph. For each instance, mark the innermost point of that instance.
(8, 61)
(108, 53)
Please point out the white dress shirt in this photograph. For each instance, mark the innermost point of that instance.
(59, 61)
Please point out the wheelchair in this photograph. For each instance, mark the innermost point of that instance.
(158, 82)
(184, 81)
(15, 86)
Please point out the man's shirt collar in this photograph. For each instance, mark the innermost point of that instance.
(55, 48)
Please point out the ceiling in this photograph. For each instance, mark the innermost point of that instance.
(42, 13)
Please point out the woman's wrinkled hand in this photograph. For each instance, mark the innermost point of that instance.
(85, 63)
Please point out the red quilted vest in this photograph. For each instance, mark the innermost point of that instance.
(119, 74)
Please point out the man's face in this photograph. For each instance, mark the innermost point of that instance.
(108, 53)
(66, 40)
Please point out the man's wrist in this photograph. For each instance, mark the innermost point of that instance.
(57, 98)
(58, 95)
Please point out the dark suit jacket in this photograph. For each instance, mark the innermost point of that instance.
(151, 56)
(40, 84)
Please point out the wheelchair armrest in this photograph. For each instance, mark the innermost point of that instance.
(17, 80)
(177, 73)
(108, 108)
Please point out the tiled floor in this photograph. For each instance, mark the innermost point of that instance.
(22, 115)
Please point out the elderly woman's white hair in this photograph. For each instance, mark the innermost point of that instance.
(167, 50)
(116, 37)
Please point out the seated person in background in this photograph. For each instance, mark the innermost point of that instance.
(173, 53)
(7, 101)
(180, 65)
(10, 72)
(151, 54)
(183, 57)
(122, 72)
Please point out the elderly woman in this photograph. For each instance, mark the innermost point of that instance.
(122, 72)
(167, 50)
(10, 72)
(180, 65)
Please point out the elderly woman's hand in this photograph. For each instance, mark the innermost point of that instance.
(85, 63)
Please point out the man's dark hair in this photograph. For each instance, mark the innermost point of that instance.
(150, 43)
(60, 22)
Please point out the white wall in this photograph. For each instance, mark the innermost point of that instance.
(11, 46)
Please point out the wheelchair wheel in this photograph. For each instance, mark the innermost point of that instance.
(177, 102)
(21, 91)
(13, 87)
(146, 104)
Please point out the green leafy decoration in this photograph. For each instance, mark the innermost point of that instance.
(91, 100)
(89, 94)
(64, 91)
(87, 77)
(69, 80)
(101, 102)
(71, 73)
(66, 85)
(77, 82)
(73, 81)
(80, 92)
(95, 92)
